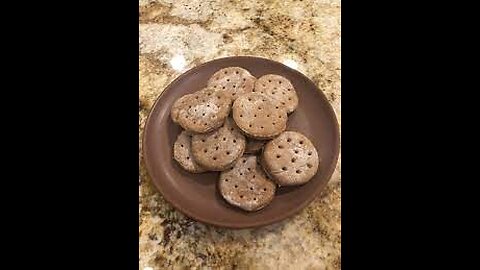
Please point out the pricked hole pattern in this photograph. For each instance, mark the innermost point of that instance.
(223, 87)
(244, 161)
(280, 147)
(309, 165)
(188, 157)
(309, 153)
(251, 188)
(216, 148)
(289, 140)
(234, 141)
(224, 139)
(259, 108)
(226, 179)
(228, 80)
(253, 176)
(228, 152)
(293, 160)
(301, 142)
(236, 186)
(284, 168)
(203, 140)
(254, 115)
(214, 158)
(254, 199)
(298, 171)
(241, 115)
(278, 156)
(296, 152)
(279, 82)
(205, 150)
(181, 145)
(261, 127)
(236, 72)
(241, 196)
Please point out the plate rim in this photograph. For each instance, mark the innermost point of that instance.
(255, 223)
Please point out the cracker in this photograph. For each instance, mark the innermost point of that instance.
(290, 159)
(278, 88)
(246, 186)
(254, 146)
(236, 81)
(182, 153)
(178, 105)
(202, 111)
(258, 116)
(219, 149)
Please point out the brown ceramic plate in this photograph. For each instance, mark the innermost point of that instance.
(196, 195)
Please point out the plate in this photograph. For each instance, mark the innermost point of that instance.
(196, 195)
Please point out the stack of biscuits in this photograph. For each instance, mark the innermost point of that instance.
(236, 126)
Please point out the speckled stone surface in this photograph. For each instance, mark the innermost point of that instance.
(178, 35)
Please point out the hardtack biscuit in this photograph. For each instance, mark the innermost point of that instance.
(236, 81)
(290, 159)
(202, 111)
(219, 149)
(182, 153)
(246, 186)
(278, 88)
(258, 116)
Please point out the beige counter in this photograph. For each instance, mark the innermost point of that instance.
(176, 36)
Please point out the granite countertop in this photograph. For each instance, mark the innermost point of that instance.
(178, 35)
